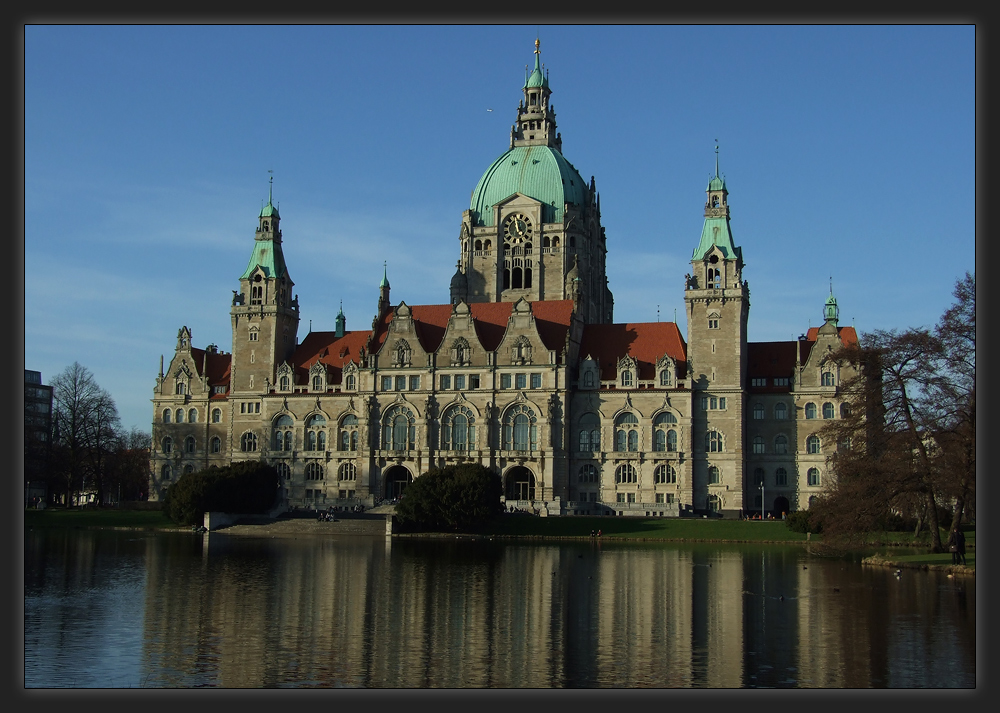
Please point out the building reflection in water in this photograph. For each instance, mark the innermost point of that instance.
(355, 611)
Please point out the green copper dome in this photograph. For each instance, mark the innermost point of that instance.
(717, 184)
(269, 211)
(540, 172)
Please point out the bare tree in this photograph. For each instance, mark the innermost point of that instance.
(130, 469)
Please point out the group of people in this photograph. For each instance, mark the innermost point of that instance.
(515, 510)
(330, 514)
(593, 534)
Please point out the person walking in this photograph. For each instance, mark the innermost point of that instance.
(953, 545)
(960, 541)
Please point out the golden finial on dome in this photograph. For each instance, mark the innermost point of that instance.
(537, 45)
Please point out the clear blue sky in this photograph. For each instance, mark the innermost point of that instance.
(848, 152)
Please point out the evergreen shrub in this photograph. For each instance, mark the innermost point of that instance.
(244, 488)
(458, 498)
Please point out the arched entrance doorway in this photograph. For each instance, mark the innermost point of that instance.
(394, 482)
(780, 506)
(519, 484)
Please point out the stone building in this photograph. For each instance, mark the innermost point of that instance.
(524, 370)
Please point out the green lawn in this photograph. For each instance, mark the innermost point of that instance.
(651, 528)
(74, 517)
(943, 558)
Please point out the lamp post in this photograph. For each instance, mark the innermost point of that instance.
(762, 500)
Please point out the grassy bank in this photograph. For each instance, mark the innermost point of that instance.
(75, 517)
(645, 529)
(940, 561)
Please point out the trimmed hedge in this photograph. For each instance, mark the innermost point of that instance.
(459, 498)
(245, 488)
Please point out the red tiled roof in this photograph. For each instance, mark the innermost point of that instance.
(329, 349)
(217, 365)
(847, 335)
(771, 359)
(644, 341)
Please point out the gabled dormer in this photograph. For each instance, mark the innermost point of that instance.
(628, 372)
(590, 374)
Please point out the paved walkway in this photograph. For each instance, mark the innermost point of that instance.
(346, 524)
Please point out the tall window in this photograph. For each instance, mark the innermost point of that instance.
(458, 430)
(714, 503)
(781, 445)
(780, 411)
(349, 433)
(758, 411)
(758, 444)
(348, 471)
(812, 444)
(168, 445)
(284, 472)
(828, 410)
(216, 445)
(713, 475)
(781, 477)
(216, 415)
(520, 429)
(282, 439)
(166, 415)
(590, 433)
(248, 442)
(189, 444)
(626, 378)
(663, 433)
(627, 432)
(165, 473)
(664, 474)
(193, 416)
(626, 473)
(314, 471)
(283, 383)
(828, 379)
(813, 476)
(588, 474)
(317, 383)
(713, 442)
(349, 382)
(810, 410)
(181, 389)
(316, 433)
(665, 377)
(399, 431)
(179, 416)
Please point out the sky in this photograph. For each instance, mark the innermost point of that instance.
(848, 151)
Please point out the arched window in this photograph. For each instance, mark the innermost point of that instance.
(317, 383)
(189, 444)
(181, 389)
(627, 378)
(282, 432)
(179, 415)
(458, 430)
(588, 474)
(665, 377)
(626, 473)
(627, 432)
(349, 433)
(348, 471)
(812, 444)
(758, 411)
(780, 411)
(714, 503)
(316, 433)
(248, 442)
(284, 472)
(828, 410)
(520, 429)
(758, 444)
(813, 476)
(664, 475)
(590, 433)
(216, 415)
(283, 383)
(713, 442)
(193, 416)
(314, 471)
(165, 473)
(349, 382)
(781, 445)
(168, 445)
(781, 477)
(662, 431)
(828, 379)
(166, 415)
(713, 475)
(216, 445)
(810, 410)
(758, 477)
(399, 431)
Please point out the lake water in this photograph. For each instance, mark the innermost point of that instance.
(119, 609)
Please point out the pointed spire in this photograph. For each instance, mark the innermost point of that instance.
(341, 321)
(385, 274)
(831, 313)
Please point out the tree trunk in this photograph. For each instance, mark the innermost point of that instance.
(932, 523)
(956, 519)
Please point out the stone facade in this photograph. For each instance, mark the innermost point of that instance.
(523, 371)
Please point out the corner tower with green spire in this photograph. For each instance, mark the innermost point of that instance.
(531, 216)
(265, 316)
(717, 300)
